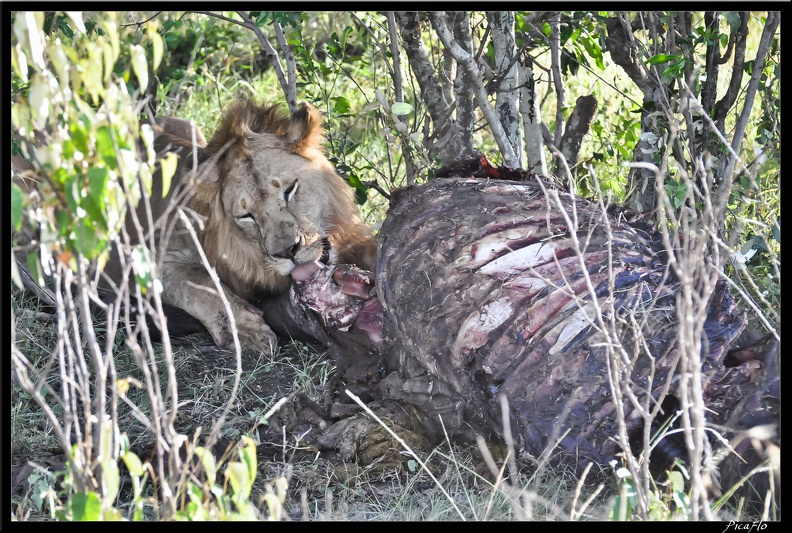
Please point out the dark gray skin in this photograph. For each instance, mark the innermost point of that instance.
(475, 276)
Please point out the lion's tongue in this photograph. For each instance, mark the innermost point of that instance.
(304, 271)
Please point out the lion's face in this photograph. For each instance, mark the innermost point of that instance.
(275, 200)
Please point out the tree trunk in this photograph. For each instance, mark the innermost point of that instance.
(577, 128)
(508, 97)
(531, 117)
(434, 89)
(463, 82)
(461, 47)
(620, 44)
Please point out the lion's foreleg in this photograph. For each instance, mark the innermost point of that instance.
(191, 289)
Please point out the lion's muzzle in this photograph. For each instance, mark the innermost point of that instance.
(296, 251)
(289, 251)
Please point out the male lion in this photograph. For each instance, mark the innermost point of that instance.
(270, 200)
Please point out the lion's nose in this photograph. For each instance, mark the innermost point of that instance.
(289, 252)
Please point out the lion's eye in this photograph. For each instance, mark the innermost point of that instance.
(289, 193)
(246, 216)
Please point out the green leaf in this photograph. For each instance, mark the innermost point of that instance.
(139, 65)
(208, 462)
(382, 99)
(48, 22)
(237, 475)
(169, 164)
(104, 142)
(157, 47)
(19, 63)
(97, 184)
(17, 204)
(194, 492)
(401, 108)
(64, 27)
(27, 27)
(733, 18)
(34, 267)
(626, 500)
(111, 480)
(260, 16)
(64, 220)
(194, 512)
(248, 455)
(662, 58)
(92, 72)
(94, 211)
(148, 182)
(112, 515)
(594, 50)
(566, 32)
(141, 266)
(85, 506)
(724, 40)
(341, 104)
(87, 242)
(621, 509)
(76, 17)
(133, 464)
(677, 481)
(79, 135)
(39, 98)
(172, 40)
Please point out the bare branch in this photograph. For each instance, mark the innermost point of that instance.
(723, 106)
(269, 51)
(399, 90)
(142, 22)
(379, 44)
(291, 88)
(624, 51)
(709, 87)
(394, 48)
(623, 54)
(433, 88)
(231, 326)
(729, 47)
(773, 19)
(430, 84)
(466, 59)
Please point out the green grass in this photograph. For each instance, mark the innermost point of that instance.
(332, 490)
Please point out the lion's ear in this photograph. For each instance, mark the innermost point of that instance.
(305, 128)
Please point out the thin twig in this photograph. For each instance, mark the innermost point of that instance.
(773, 19)
(139, 24)
(231, 326)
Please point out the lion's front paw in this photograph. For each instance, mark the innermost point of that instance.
(252, 330)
